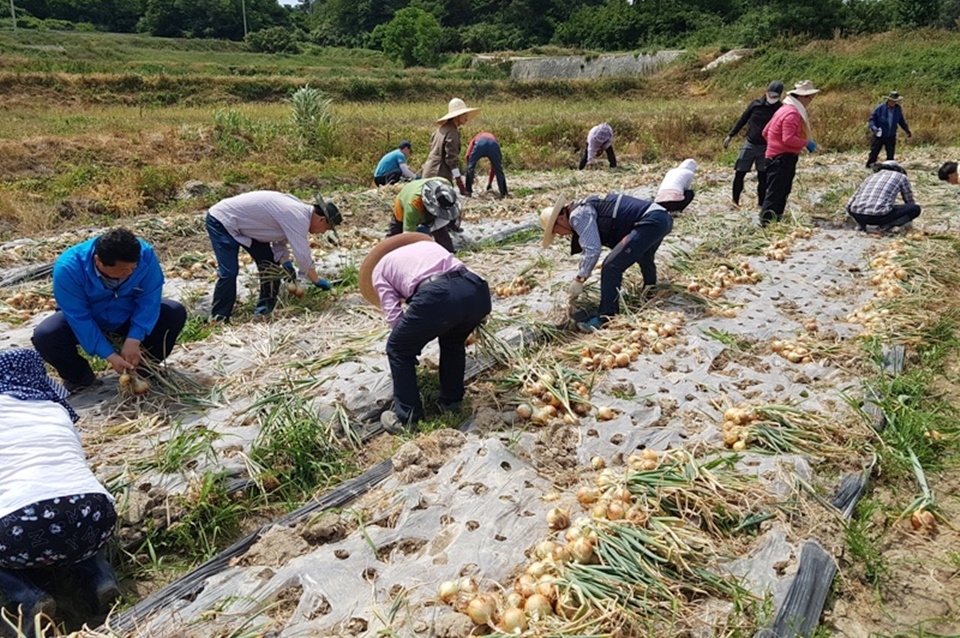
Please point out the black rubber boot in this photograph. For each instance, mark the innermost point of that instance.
(23, 599)
(96, 575)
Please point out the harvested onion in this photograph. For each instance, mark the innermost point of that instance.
(558, 519)
(481, 609)
(514, 621)
(448, 591)
(538, 606)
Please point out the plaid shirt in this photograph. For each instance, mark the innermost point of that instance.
(877, 194)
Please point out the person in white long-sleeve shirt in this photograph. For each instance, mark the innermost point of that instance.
(675, 192)
(54, 513)
(599, 140)
(263, 223)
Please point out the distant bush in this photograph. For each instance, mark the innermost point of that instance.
(411, 37)
(273, 40)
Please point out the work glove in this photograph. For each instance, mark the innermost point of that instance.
(423, 228)
(811, 146)
(463, 189)
(291, 273)
(726, 141)
(322, 284)
(576, 287)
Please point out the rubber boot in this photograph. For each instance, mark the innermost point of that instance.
(23, 599)
(96, 575)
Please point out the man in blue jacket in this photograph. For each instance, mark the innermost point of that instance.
(110, 285)
(883, 124)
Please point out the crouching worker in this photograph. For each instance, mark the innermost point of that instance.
(444, 301)
(873, 203)
(632, 227)
(109, 285)
(427, 205)
(55, 516)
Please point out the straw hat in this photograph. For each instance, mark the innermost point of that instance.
(894, 97)
(548, 218)
(457, 107)
(804, 88)
(377, 253)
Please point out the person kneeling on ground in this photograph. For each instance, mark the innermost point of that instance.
(427, 205)
(632, 227)
(393, 166)
(263, 223)
(54, 515)
(109, 285)
(445, 301)
(675, 193)
(948, 172)
(873, 203)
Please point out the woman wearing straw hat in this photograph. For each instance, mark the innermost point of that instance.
(443, 160)
(884, 121)
(787, 133)
(632, 227)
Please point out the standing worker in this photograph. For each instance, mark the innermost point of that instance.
(884, 121)
(445, 301)
(428, 205)
(755, 117)
(263, 223)
(109, 285)
(392, 167)
(632, 227)
(444, 157)
(787, 134)
(599, 140)
(485, 145)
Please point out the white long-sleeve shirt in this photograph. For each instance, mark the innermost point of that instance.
(41, 456)
(270, 217)
(676, 181)
(599, 139)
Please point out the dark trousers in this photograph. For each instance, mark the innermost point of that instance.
(611, 157)
(388, 178)
(877, 143)
(449, 310)
(738, 177)
(227, 251)
(639, 247)
(898, 216)
(441, 235)
(56, 342)
(781, 170)
(488, 148)
(679, 206)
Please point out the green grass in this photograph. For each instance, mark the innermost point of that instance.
(179, 452)
(862, 540)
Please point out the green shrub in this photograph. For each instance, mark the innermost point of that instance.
(411, 37)
(313, 122)
(273, 40)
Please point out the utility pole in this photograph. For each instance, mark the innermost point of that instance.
(243, 8)
(13, 14)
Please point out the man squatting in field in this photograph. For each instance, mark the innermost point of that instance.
(873, 203)
(632, 227)
(392, 167)
(755, 117)
(427, 205)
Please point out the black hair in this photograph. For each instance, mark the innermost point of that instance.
(884, 166)
(948, 169)
(118, 244)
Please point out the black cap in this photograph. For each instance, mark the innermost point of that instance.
(405, 144)
(327, 210)
(775, 87)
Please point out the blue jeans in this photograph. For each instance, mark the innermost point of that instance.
(448, 309)
(485, 147)
(638, 247)
(227, 251)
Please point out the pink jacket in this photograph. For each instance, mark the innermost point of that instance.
(784, 132)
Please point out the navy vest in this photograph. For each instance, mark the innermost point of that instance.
(617, 214)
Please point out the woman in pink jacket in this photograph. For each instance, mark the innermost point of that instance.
(787, 133)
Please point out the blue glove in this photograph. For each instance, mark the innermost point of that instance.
(811, 146)
(288, 266)
(422, 228)
(322, 284)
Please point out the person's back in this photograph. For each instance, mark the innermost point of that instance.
(784, 132)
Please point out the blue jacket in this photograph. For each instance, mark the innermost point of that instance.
(888, 119)
(92, 309)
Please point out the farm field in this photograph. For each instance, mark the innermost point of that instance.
(658, 477)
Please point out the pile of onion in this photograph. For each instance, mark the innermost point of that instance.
(133, 384)
(778, 250)
(26, 304)
(724, 277)
(544, 405)
(518, 286)
(736, 427)
(296, 289)
(196, 269)
(792, 351)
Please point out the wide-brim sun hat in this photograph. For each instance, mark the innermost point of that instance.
(804, 88)
(548, 219)
(458, 107)
(440, 199)
(378, 252)
(893, 96)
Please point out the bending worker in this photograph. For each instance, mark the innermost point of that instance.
(485, 145)
(54, 514)
(428, 205)
(445, 301)
(110, 285)
(263, 223)
(632, 227)
(393, 166)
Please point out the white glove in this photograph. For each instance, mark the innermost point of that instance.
(576, 287)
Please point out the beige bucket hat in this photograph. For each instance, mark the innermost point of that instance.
(548, 219)
(804, 88)
(458, 107)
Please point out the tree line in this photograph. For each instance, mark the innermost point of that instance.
(420, 31)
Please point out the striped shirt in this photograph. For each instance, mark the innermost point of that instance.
(877, 194)
(583, 219)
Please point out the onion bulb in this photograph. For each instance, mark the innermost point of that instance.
(581, 550)
(604, 413)
(481, 609)
(597, 463)
(292, 287)
(125, 379)
(514, 600)
(615, 510)
(514, 621)
(740, 446)
(448, 591)
(140, 386)
(587, 495)
(467, 585)
(524, 411)
(558, 518)
(538, 606)
(546, 588)
(544, 549)
(525, 585)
